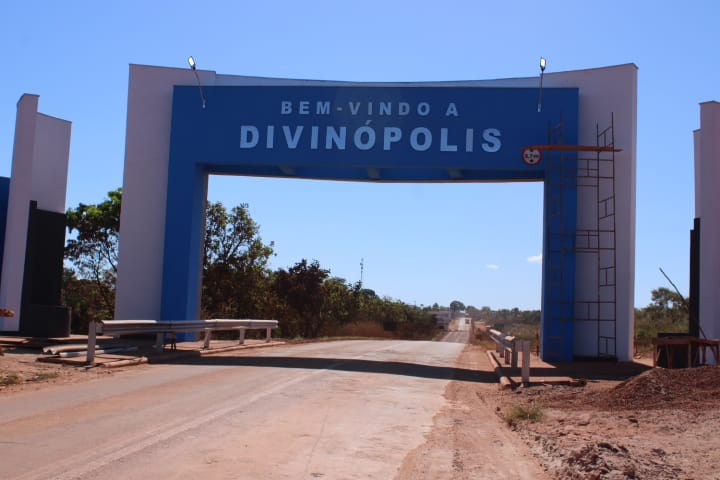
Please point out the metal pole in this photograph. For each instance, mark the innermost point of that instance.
(517, 346)
(542, 71)
(525, 362)
(92, 339)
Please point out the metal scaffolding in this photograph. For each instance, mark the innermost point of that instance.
(591, 242)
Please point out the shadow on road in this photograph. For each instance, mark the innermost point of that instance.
(348, 365)
(592, 370)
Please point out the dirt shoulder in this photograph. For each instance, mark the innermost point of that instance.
(24, 366)
(20, 371)
(661, 424)
(469, 440)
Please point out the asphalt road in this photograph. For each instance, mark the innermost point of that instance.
(459, 331)
(323, 410)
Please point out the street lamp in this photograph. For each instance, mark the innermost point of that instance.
(543, 64)
(191, 62)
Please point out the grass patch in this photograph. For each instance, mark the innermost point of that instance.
(522, 412)
(41, 377)
(10, 378)
(647, 328)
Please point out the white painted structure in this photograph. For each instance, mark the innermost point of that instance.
(41, 154)
(707, 209)
(603, 92)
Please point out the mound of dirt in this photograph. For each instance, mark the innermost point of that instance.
(689, 388)
(604, 460)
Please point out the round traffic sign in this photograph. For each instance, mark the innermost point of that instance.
(531, 156)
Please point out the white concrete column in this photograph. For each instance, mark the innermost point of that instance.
(13, 268)
(39, 172)
(142, 218)
(707, 208)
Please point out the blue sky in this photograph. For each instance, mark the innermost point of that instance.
(420, 243)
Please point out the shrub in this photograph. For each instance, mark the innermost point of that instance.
(647, 327)
(523, 412)
(363, 329)
(40, 377)
(10, 378)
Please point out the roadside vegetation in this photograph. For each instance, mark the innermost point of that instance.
(666, 313)
(305, 297)
(237, 281)
(518, 413)
(9, 378)
(15, 378)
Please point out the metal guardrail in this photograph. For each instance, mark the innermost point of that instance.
(161, 328)
(508, 348)
(504, 346)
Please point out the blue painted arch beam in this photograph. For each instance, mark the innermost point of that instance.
(387, 134)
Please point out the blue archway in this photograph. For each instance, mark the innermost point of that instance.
(372, 134)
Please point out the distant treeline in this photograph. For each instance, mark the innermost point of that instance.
(667, 312)
(504, 315)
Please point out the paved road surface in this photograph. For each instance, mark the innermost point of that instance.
(459, 331)
(292, 412)
(324, 410)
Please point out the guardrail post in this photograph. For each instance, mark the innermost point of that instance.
(165, 331)
(92, 339)
(517, 345)
(525, 362)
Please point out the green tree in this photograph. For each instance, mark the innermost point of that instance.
(87, 300)
(235, 273)
(339, 304)
(667, 305)
(457, 306)
(93, 251)
(419, 323)
(301, 290)
(667, 313)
